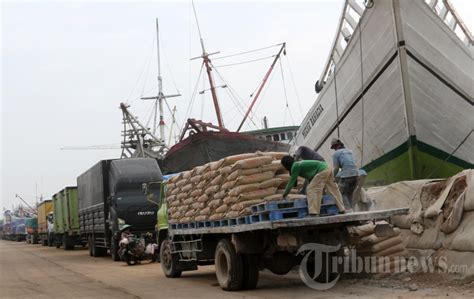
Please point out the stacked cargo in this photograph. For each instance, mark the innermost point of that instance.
(227, 188)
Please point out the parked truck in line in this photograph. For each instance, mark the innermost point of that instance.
(45, 223)
(31, 226)
(240, 249)
(110, 196)
(66, 219)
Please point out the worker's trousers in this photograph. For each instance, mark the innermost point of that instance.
(315, 191)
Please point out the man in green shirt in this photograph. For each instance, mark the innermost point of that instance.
(320, 175)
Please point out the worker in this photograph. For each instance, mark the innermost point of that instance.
(320, 175)
(125, 232)
(305, 153)
(345, 171)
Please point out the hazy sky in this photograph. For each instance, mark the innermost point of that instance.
(66, 66)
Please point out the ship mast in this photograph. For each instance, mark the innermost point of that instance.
(207, 63)
(160, 97)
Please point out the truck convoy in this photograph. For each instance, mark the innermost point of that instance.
(110, 196)
(66, 219)
(45, 223)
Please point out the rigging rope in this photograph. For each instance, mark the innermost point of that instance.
(362, 92)
(244, 62)
(286, 96)
(246, 52)
(294, 85)
(193, 96)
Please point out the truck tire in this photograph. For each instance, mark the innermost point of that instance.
(114, 249)
(35, 239)
(57, 241)
(68, 242)
(169, 262)
(250, 271)
(229, 266)
(90, 245)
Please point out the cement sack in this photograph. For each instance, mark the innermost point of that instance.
(187, 188)
(175, 203)
(196, 179)
(462, 239)
(275, 182)
(172, 210)
(209, 175)
(365, 229)
(170, 198)
(217, 180)
(279, 196)
(254, 178)
(373, 239)
(181, 183)
(230, 200)
(175, 179)
(274, 155)
(392, 250)
(469, 200)
(184, 220)
(293, 191)
(200, 218)
(205, 211)
(198, 205)
(189, 201)
(216, 165)
(170, 186)
(232, 159)
(200, 169)
(202, 185)
(228, 185)
(212, 189)
(257, 194)
(175, 191)
(431, 238)
(222, 209)
(231, 214)
(190, 213)
(245, 204)
(220, 195)
(203, 198)
(196, 193)
(451, 259)
(215, 203)
(388, 243)
(435, 209)
(284, 177)
(245, 212)
(243, 172)
(225, 170)
(181, 196)
(252, 162)
(236, 191)
(216, 216)
(186, 175)
(455, 215)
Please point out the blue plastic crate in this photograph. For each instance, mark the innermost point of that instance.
(283, 214)
(329, 210)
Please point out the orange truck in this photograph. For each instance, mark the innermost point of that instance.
(45, 214)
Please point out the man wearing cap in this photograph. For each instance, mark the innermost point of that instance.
(345, 171)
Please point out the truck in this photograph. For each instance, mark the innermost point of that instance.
(31, 226)
(66, 219)
(45, 223)
(243, 246)
(110, 196)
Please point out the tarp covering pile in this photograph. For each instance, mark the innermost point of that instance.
(227, 188)
(441, 217)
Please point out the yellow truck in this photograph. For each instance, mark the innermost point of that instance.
(45, 222)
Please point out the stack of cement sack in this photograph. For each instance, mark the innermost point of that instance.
(227, 188)
(385, 251)
(440, 222)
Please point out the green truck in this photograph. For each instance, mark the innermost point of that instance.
(66, 219)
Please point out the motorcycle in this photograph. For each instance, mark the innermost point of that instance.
(135, 249)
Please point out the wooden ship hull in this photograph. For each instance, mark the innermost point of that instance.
(402, 97)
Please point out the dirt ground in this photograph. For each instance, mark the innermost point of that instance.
(42, 272)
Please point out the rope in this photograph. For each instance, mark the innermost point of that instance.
(362, 92)
(244, 62)
(337, 103)
(246, 52)
(193, 96)
(294, 85)
(286, 96)
(455, 150)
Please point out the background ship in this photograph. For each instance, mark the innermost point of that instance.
(397, 89)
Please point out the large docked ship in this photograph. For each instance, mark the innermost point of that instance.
(397, 88)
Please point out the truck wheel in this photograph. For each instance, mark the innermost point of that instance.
(90, 245)
(229, 266)
(57, 241)
(250, 271)
(68, 243)
(35, 239)
(169, 262)
(114, 249)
